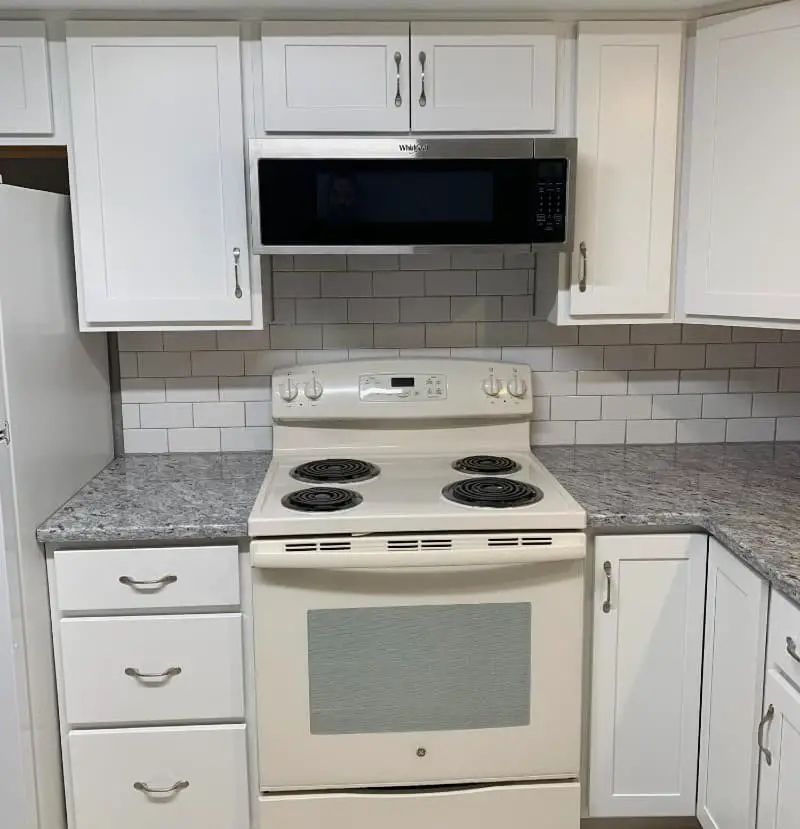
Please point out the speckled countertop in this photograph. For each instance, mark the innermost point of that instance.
(747, 496)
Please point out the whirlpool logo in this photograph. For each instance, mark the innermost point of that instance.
(415, 148)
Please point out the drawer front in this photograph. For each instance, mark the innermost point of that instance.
(550, 805)
(196, 662)
(155, 578)
(111, 768)
(783, 641)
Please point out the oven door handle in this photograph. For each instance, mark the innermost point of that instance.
(272, 554)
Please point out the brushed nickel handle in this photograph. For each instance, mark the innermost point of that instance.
(148, 584)
(767, 718)
(584, 257)
(236, 254)
(398, 98)
(423, 99)
(791, 649)
(175, 787)
(607, 602)
(169, 673)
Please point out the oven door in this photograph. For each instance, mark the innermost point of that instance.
(407, 675)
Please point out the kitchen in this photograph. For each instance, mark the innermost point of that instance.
(606, 627)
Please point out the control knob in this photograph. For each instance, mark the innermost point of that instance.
(517, 386)
(491, 385)
(313, 388)
(289, 391)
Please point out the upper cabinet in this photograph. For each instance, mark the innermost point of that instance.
(336, 77)
(628, 109)
(25, 106)
(744, 177)
(158, 175)
(376, 77)
(483, 77)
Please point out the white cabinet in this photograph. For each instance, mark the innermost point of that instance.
(25, 105)
(778, 791)
(373, 77)
(335, 77)
(158, 175)
(733, 680)
(743, 212)
(628, 108)
(648, 616)
(474, 77)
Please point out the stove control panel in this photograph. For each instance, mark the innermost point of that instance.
(402, 388)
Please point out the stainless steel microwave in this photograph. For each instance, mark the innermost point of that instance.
(409, 194)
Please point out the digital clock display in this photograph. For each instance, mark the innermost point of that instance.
(402, 382)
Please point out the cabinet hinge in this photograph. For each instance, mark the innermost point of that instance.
(5, 432)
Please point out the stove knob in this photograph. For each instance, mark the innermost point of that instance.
(517, 387)
(491, 385)
(288, 392)
(313, 388)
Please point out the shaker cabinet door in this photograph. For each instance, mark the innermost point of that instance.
(158, 174)
(335, 77)
(25, 106)
(628, 109)
(483, 77)
(743, 211)
(648, 617)
(733, 679)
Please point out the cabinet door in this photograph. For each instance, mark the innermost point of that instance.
(158, 173)
(24, 79)
(648, 594)
(733, 680)
(743, 211)
(628, 107)
(778, 789)
(335, 77)
(485, 77)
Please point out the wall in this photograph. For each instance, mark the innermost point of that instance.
(208, 391)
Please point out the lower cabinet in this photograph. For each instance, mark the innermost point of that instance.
(649, 593)
(779, 789)
(733, 679)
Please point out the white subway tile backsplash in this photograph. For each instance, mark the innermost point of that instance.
(506, 282)
(149, 441)
(320, 262)
(654, 381)
(217, 363)
(541, 408)
(438, 260)
(519, 259)
(373, 310)
(450, 283)
(218, 414)
(790, 335)
(779, 404)
(163, 364)
(552, 432)
(778, 354)
(285, 337)
(602, 382)
(323, 355)
(749, 429)
(501, 333)
(517, 307)
(320, 310)
(246, 439)
(701, 431)
(192, 389)
(575, 407)
(577, 357)
(373, 262)
(727, 405)
(626, 406)
(265, 362)
(244, 340)
(554, 382)
(401, 335)
(600, 431)
(680, 356)
(190, 341)
(351, 335)
(733, 355)
(348, 284)
(193, 440)
(788, 428)
(128, 364)
(706, 333)
(291, 284)
(477, 258)
(650, 431)
(165, 415)
(140, 341)
(130, 416)
(544, 333)
(450, 334)
(677, 406)
(425, 309)
(655, 334)
(245, 389)
(492, 354)
(629, 356)
(700, 381)
(475, 308)
(754, 379)
(539, 359)
(372, 353)
(604, 335)
(789, 379)
(149, 390)
(756, 335)
(258, 414)
(398, 283)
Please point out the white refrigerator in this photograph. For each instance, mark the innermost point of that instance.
(55, 434)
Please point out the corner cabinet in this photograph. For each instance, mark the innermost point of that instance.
(648, 616)
(733, 679)
(158, 176)
(25, 105)
(743, 211)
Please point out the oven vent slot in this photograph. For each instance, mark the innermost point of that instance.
(316, 546)
(520, 541)
(419, 544)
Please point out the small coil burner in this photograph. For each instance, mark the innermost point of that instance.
(492, 492)
(486, 465)
(321, 499)
(335, 471)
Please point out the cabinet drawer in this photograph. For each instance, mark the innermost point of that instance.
(783, 642)
(108, 765)
(195, 663)
(156, 578)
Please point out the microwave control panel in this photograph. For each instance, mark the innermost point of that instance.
(550, 200)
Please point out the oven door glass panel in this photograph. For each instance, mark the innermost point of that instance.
(397, 201)
(421, 668)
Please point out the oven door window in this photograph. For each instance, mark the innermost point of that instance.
(396, 201)
(421, 668)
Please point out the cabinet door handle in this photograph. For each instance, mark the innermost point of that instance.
(168, 674)
(791, 649)
(236, 254)
(175, 787)
(767, 718)
(423, 99)
(148, 584)
(398, 98)
(584, 265)
(607, 602)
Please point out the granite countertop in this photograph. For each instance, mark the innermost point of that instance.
(747, 496)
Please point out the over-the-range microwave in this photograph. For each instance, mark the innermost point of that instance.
(410, 194)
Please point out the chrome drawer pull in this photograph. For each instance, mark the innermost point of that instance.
(791, 649)
(607, 602)
(767, 718)
(148, 584)
(168, 674)
(175, 787)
